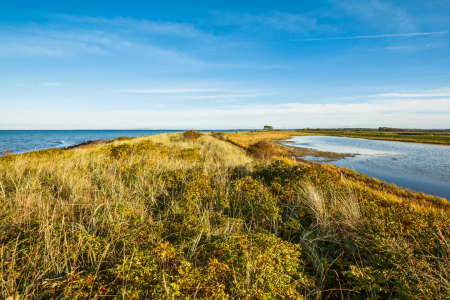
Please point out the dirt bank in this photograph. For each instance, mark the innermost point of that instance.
(87, 143)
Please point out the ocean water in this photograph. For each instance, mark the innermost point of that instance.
(418, 167)
(19, 141)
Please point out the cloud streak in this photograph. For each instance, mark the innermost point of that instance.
(166, 28)
(376, 36)
(385, 14)
(101, 37)
(72, 44)
(275, 20)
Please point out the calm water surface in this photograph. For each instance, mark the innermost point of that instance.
(19, 141)
(418, 167)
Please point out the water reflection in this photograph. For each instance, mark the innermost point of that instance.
(418, 167)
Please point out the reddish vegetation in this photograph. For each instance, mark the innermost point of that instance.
(191, 134)
(262, 149)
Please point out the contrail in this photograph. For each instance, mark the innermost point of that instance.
(376, 36)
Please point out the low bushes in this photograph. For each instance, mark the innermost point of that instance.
(191, 134)
(262, 150)
(219, 135)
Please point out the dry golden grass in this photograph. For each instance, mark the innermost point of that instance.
(167, 217)
(71, 198)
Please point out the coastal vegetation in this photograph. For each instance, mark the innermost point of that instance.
(440, 138)
(215, 216)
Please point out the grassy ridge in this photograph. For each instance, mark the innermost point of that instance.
(168, 217)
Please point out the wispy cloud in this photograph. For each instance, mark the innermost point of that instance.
(401, 95)
(404, 94)
(377, 36)
(380, 13)
(101, 37)
(26, 42)
(274, 20)
(166, 28)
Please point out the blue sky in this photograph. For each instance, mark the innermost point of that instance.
(224, 64)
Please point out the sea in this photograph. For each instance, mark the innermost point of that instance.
(19, 141)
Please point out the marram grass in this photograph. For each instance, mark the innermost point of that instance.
(173, 218)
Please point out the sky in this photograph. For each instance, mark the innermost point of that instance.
(224, 64)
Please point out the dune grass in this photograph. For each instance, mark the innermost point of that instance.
(169, 217)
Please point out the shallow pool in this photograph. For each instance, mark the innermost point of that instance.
(418, 167)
